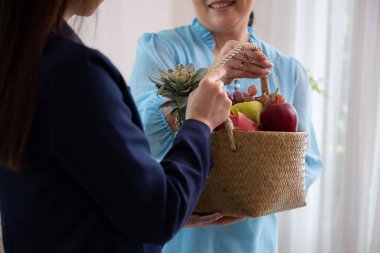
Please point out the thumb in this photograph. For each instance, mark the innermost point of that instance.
(216, 75)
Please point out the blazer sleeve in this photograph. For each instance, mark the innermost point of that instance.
(94, 137)
(301, 103)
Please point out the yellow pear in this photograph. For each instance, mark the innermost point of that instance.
(250, 109)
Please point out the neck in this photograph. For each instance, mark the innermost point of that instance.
(67, 15)
(221, 38)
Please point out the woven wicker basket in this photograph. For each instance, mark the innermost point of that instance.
(264, 175)
(255, 173)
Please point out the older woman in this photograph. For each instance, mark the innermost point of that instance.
(218, 22)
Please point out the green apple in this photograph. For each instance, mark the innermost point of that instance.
(251, 109)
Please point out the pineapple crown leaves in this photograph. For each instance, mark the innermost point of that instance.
(179, 82)
(176, 85)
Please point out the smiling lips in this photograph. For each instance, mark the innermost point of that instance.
(221, 4)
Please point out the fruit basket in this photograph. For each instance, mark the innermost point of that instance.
(263, 175)
(254, 173)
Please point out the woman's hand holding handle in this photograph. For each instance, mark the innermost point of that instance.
(246, 64)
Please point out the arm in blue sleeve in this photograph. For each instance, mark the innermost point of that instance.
(159, 134)
(94, 138)
(152, 52)
(301, 102)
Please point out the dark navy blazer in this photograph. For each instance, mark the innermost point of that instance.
(88, 182)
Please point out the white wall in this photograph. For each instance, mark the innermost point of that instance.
(119, 23)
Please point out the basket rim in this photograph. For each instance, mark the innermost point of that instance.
(300, 133)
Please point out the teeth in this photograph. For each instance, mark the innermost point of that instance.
(221, 5)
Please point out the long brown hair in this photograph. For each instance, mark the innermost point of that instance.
(251, 18)
(24, 28)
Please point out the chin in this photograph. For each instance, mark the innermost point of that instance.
(87, 14)
(224, 24)
(92, 8)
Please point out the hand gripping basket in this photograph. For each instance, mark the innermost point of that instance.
(254, 173)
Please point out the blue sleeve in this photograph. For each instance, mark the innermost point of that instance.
(152, 52)
(301, 103)
(94, 137)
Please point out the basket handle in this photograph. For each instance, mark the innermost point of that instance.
(243, 46)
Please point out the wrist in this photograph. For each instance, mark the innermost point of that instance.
(202, 120)
(198, 124)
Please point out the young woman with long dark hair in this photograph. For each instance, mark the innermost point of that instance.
(76, 173)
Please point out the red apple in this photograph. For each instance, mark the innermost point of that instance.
(279, 117)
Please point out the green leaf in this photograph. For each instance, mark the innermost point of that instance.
(315, 85)
(200, 74)
(155, 80)
(173, 110)
(168, 103)
(190, 68)
(181, 102)
(176, 85)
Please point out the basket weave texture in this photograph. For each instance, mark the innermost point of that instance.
(264, 175)
(255, 173)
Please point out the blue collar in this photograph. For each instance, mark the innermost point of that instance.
(207, 37)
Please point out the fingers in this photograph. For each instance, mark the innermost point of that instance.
(215, 78)
(252, 57)
(203, 220)
(265, 64)
(245, 67)
(216, 219)
(256, 58)
(236, 73)
(216, 75)
(209, 103)
(226, 221)
(246, 64)
(242, 66)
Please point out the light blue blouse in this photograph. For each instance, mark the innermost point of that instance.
(194, 44)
